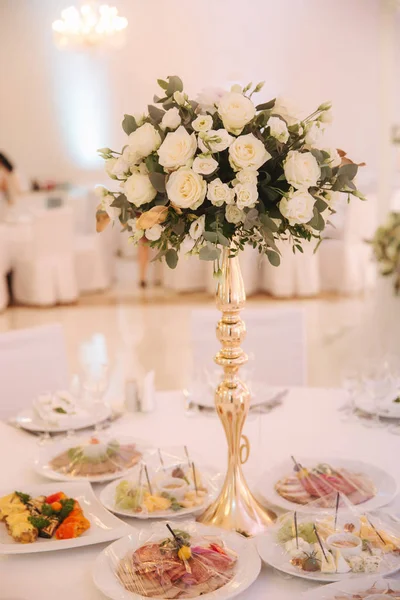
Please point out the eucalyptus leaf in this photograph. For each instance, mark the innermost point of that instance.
(326, 172)
(119, 201)
(268, 222)
(273, 258)
(158, 181)
(163, 84)
(348, 171)
(209, 252)
(129, 124)
(266, 105)
(317, 154)
(156, 114)
(179, 227)
(171, 257)
(320, 205)
(223, 240)
(317, 222)
(174, 85)
(210, 236)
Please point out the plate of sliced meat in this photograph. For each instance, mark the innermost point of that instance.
(177, 561)
(312, 484)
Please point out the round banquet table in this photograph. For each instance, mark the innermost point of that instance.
(308, 423)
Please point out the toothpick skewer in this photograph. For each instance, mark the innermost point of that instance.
(140, 475)
(319, 542)
(176, 538)
(337, 508)
(297, 466)
(376, 531)
(148, 479)
(161, 459)
(195, 479)
(297, 531)
(187, 455)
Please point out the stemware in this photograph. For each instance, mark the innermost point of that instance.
(95, 381)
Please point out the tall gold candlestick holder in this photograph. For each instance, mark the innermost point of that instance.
(235, 508)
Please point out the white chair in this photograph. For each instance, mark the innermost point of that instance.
(4, 267)
(297, 275)
(44, 274)
(275, 343)
(95, 252)
(31, 361)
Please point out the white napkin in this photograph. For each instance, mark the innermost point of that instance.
(57, 407)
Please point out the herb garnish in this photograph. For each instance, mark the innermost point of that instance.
(67, 507)
(60, 410)
(397, 400)
(39, 522)
(46, 510)
(23, 497)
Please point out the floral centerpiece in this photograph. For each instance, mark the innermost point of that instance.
(195, 176)
(386, 247)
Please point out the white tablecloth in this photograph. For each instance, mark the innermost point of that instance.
(308, 423)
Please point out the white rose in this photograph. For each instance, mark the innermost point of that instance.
(138, 189)
(100, 191)
(214, 140)
(247, 176)
(334, 159)
(139, 118)
(247, 152)
(171, 119)
(313, 133)
(246, 195)
(286, 109)
(121, 167)
(180, 98)
(209, 98)
(112, 211)
(278, 129)
(177, 149)
(297, 207)
(202, 123)
(186, 189)
(154, 233)
(301, 169)
(205, 165)
(233, 214)
(235, 111)
(219, 193)
(109, 166)
(141, 143)
(197, 228)
(326, 116)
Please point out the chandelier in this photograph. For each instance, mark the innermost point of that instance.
(90, 25)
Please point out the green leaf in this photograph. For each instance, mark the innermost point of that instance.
(163, 84)
(156, 114)
(209, 252)
(317, 154)
(171, 256)
(320, 205)
(268, 222)
(273, 258)
(299, 248)
(210, 236)
(348, 171)
(266, 105)
(174, 85)
(129, 124)
(193, 104)
(119, 201)
(153, 165)
(326, 172)
(317, 222)
(158, 181)
(159, 255)
(223, 240)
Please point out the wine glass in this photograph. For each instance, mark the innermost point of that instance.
(352, 384)
(377, 379)
(95, 381)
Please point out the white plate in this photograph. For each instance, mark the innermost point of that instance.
(386, 408)
(386, 485)
(211, 478)
(350, 586)
(274, 554)
(104, 526)
(49, 451)
(28, 419)
(247, 568)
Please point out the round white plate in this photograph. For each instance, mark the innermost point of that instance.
(351, 586)
(247, 568)
(28, 419)
(49, 451)
(386, 408)
(275, 555)
(107, 497)
(385, 483)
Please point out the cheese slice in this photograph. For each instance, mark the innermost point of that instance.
(342, 566)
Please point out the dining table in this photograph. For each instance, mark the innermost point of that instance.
(308, 422)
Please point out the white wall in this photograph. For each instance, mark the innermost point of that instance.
(57, 107)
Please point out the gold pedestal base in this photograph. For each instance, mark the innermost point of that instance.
(235, 508)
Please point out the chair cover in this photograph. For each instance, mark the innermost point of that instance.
(32, 361)
(45, 274)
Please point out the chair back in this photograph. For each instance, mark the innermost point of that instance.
(275, 343)
(31, 361)
(53, 232)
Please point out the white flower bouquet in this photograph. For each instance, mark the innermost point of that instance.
(386, 247)
(198, 175)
